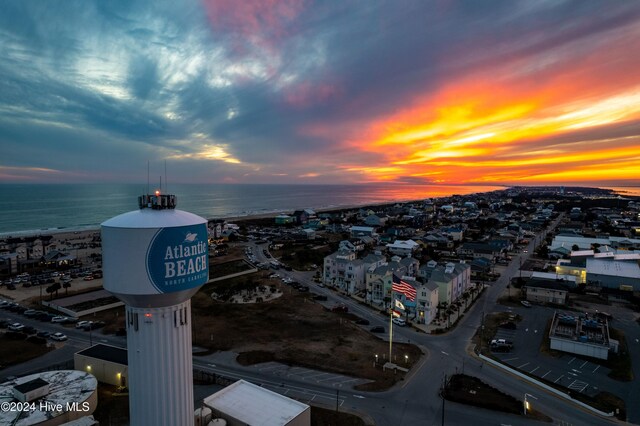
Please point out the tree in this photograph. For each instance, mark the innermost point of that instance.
(66, 286)
(575, 247)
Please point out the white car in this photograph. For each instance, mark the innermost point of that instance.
(16, 326)
(81, 324)
(399, 322)
(60, 319)
(58, 336)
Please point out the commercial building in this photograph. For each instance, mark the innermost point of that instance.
(581, 335)
(244, 403)
(107, 363)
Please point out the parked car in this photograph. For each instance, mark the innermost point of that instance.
(81, 324)
(60, 319)
(16, 326)
(303, 288)
(501, 344)
(362, 321)
(30, 313)
(377, 329)
(58, 337)
(525, 303)
(320, 297)
(43, 334)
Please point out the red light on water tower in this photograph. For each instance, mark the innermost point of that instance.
(148, 315)
(157, 192)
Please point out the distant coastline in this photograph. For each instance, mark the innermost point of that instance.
(301, 197)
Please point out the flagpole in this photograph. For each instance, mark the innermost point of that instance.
(391, 325)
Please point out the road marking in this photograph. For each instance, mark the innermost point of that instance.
(585, 363)
(573, 374)
(358, 396)
(576, 371)
(572, 359)
(445, 353)
(578, 385)
(525, 364)
(556, 380)
(211, 365)
(595, 369)
(534, 369)
(546, 373)
(510, 359)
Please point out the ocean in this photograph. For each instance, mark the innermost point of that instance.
(36, 208)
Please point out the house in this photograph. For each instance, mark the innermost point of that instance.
(302, 217)
(284, 219)
(403, 248)
(476, 250)
(546, 291)
(456, 233)
(375, 220)
(379, 280)
(426, 302)
(360, 231)
(452, 279)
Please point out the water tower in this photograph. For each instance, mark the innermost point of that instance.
(154, 260)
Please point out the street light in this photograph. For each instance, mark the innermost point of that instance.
(526, 403)
(406, 359)
(376, 361)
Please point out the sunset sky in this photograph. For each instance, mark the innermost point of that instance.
(296, 91)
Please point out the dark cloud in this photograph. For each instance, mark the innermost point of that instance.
(283, 88)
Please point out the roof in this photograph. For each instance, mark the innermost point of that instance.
(614, 268)
(31, 385)
(66, 387)
(546, 284)
(106, 353)
(254, 405)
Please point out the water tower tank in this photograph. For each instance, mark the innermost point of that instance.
(154, 259)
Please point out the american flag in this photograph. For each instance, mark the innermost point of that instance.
(403, 287)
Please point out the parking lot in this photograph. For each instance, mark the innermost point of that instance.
(576, 374)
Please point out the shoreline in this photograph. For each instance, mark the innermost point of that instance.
(273, 213)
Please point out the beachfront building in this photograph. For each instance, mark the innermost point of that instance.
(284, 219)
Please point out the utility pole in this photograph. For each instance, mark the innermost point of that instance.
(444, 384)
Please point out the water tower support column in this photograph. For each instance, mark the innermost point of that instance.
(159, 340)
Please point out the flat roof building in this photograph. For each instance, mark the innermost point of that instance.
(581, 334)
(244, 403)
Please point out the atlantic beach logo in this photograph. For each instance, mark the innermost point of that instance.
(178, 258)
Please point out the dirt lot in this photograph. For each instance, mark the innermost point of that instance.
(291, 329)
